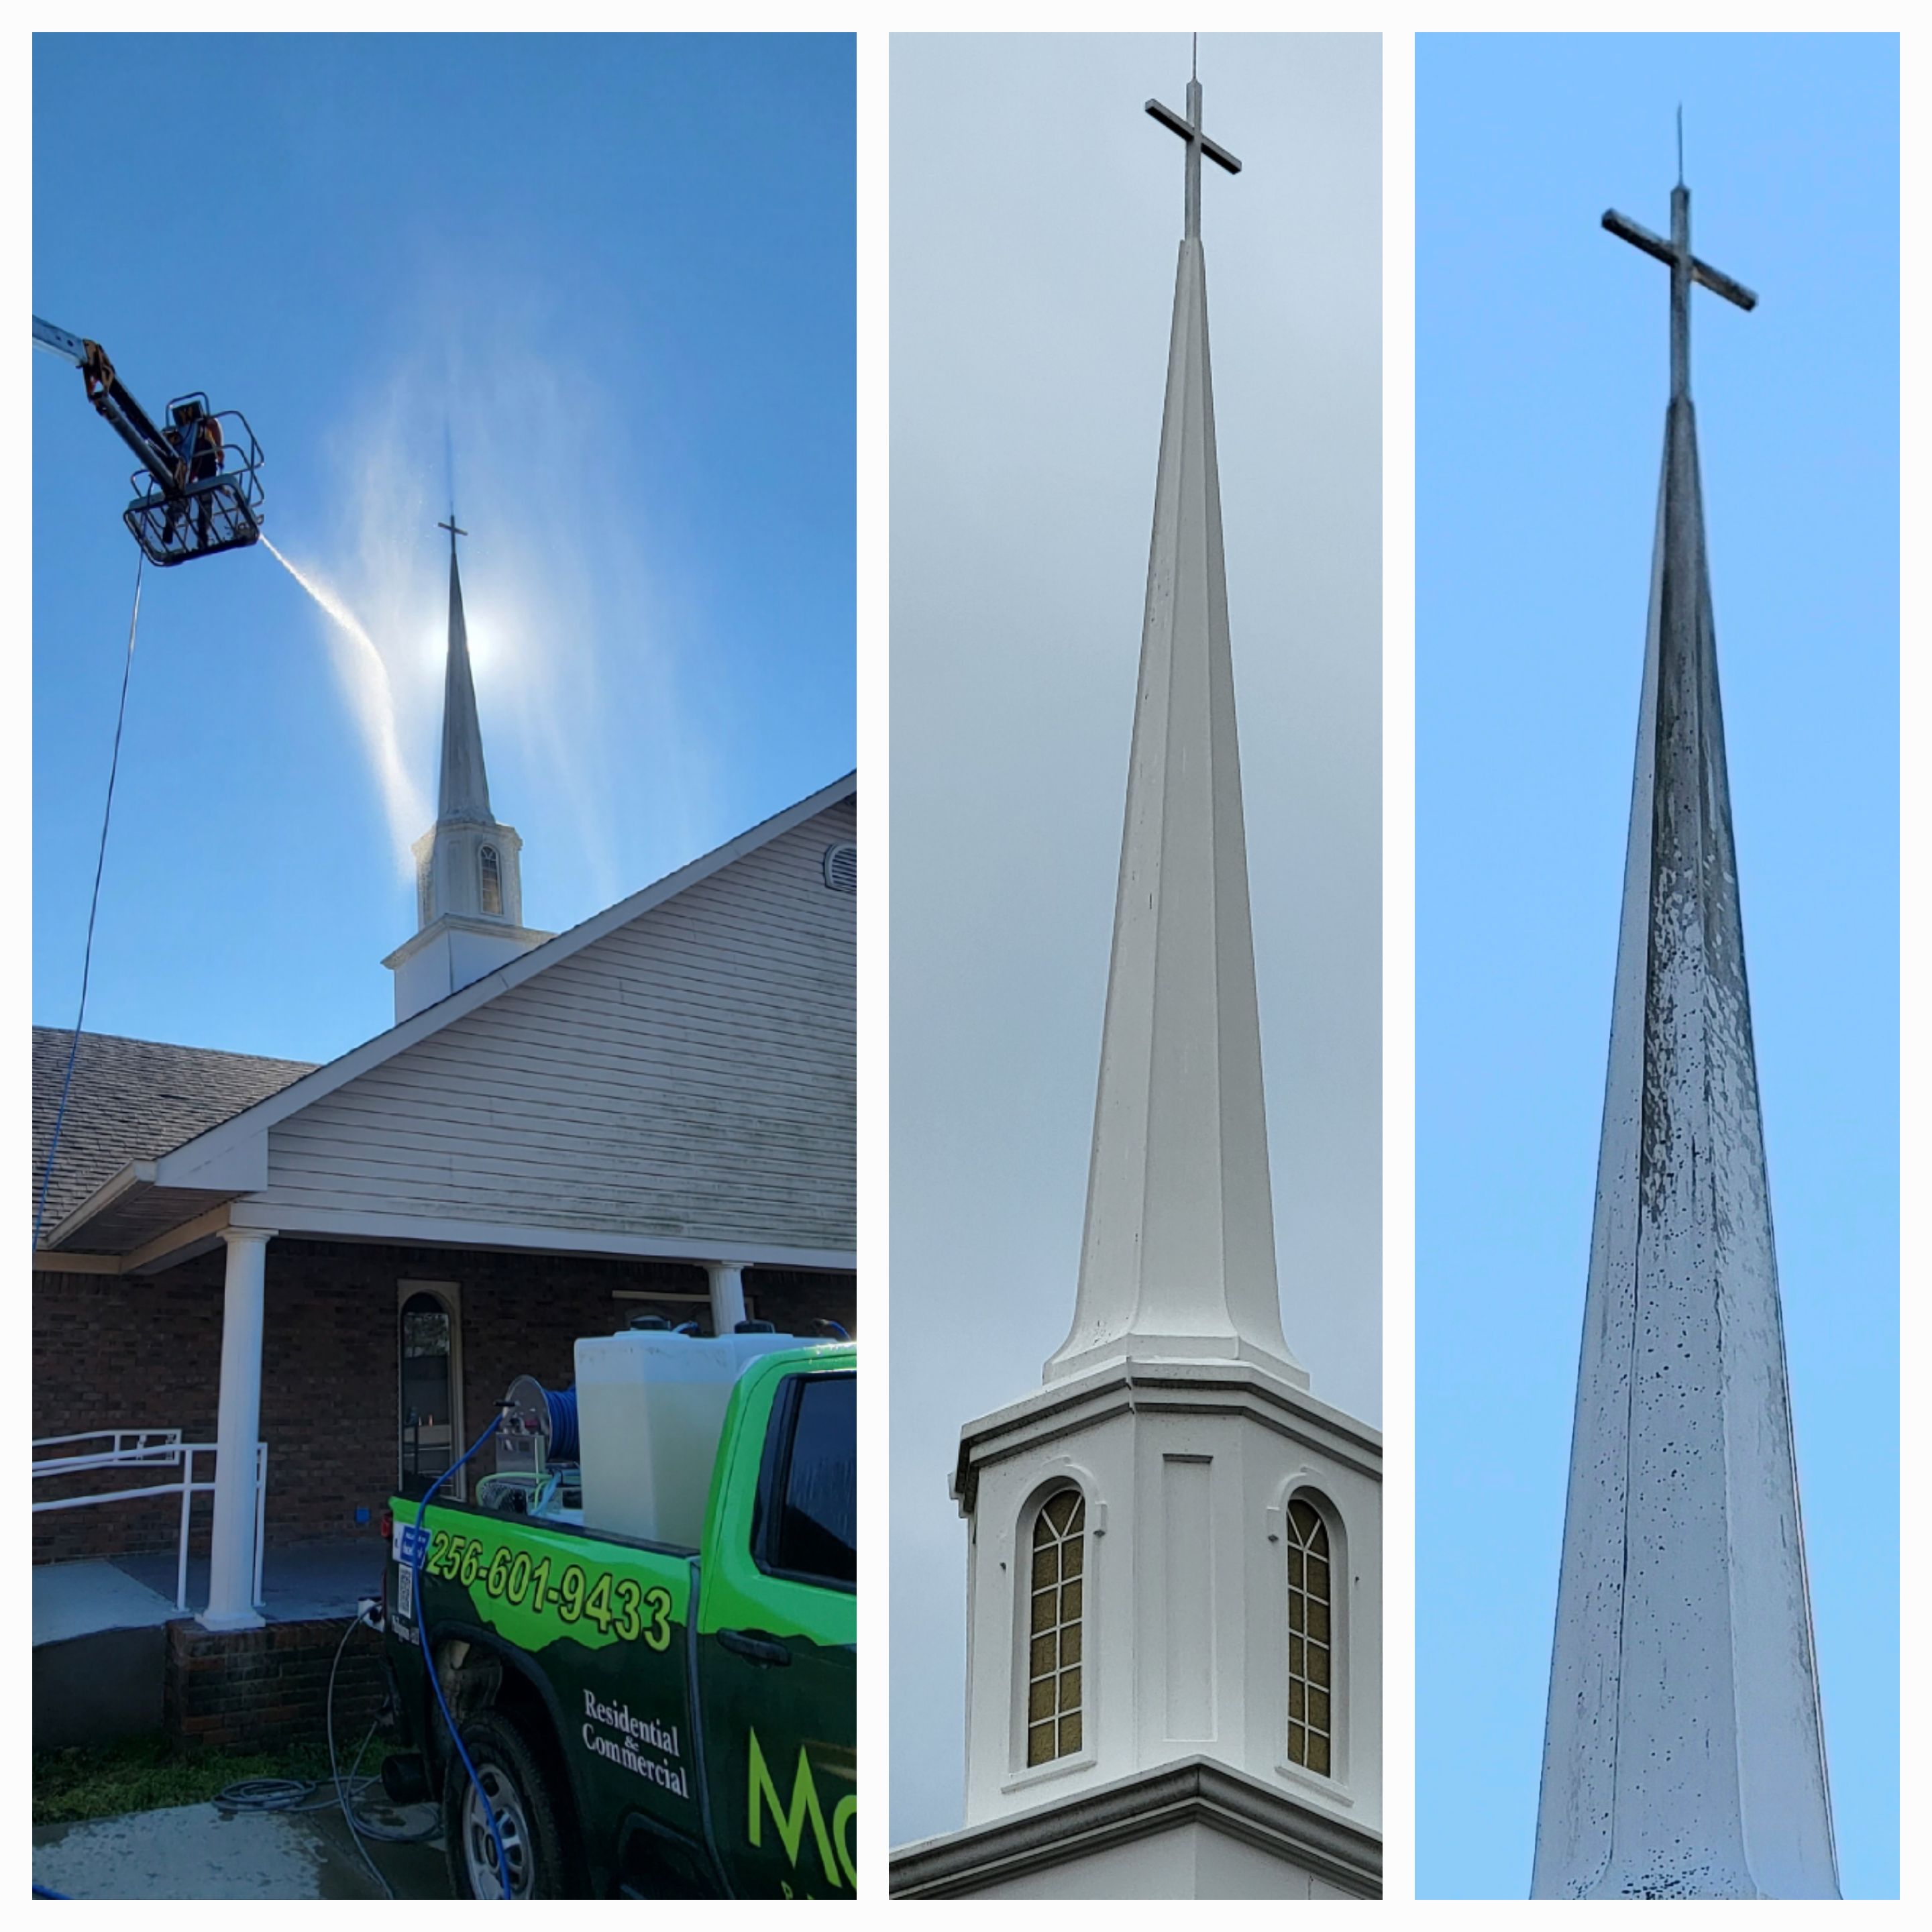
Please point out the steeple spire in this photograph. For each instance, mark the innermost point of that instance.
(1684, 1755)
(1174, 1579)
(469, 891)
(1178, 1256)
(462, 784)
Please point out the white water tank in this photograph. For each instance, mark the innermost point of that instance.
(650, 1409)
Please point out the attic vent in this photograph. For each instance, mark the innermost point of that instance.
(842, 868)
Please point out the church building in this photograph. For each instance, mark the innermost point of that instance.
(1174, 1595)
(327, 1276)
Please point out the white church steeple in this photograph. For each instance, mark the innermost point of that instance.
(1173, 1593)
(470, 896)
(1178, 1256)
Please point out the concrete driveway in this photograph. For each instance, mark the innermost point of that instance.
(191, 1851)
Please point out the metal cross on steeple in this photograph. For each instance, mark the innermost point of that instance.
(451, 528)
(1198, 145)
(1684, 269)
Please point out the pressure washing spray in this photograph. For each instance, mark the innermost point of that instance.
(373, 699)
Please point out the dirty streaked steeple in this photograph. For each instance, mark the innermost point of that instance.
(1684, 1752)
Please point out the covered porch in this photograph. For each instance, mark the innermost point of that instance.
(340, 1372)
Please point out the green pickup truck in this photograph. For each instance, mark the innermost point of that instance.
(662, 1715)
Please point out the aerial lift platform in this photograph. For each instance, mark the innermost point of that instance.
(198, 491)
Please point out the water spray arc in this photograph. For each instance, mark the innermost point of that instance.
(374, 698)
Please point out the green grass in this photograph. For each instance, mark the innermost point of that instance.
(147, 1773)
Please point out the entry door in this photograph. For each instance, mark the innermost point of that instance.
(429, 1387)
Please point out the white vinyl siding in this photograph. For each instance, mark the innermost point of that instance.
(688, 1075)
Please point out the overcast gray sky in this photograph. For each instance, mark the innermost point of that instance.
(1036, 212)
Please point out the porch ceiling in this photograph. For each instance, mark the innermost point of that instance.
(135, 1215)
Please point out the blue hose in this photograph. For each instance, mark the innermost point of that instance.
(429, 1657)
(561, 1405)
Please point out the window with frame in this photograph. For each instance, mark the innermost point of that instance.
(810, 1530)
(1311, 1642)
(491, 868)
(1056, 1614)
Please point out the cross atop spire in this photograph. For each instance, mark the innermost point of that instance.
(1685, 268)
(451, 528)
(1198, 145)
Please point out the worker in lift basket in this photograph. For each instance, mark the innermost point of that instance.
(197, 438)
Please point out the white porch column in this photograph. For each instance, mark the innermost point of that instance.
(232, 1561)
(727, 1295)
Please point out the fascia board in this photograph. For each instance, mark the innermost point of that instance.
(439, 1231)
(238, 1166)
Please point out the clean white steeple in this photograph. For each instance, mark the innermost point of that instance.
(1173, 1593)
(1178, 1254)
(469, 893)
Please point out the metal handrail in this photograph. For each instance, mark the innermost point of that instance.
(129, 1446)
(148, 1448)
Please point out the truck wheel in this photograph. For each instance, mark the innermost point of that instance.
(520, 1794)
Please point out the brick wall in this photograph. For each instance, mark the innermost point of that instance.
(265, 1689)
(121, 1351)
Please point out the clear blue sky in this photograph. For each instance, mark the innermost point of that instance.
(1541, 363)
(621, 270)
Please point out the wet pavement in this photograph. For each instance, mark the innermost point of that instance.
(191, 1851)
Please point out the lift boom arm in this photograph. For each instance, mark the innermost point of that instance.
(128, 420)
(198, 491)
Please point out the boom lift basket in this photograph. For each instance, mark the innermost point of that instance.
(214, 501)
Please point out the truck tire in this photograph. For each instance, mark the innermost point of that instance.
(520, 1794)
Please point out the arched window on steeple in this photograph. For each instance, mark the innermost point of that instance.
(1311, 1640)
(1055, 1621)
(491, 868)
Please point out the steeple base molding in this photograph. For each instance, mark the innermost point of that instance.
(1192, 1829)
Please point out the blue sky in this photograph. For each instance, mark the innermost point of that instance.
(621, 271)
(1541, 365)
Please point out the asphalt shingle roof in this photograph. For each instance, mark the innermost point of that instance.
(131, 1100)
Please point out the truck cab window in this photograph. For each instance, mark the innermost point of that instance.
(813, 1531)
